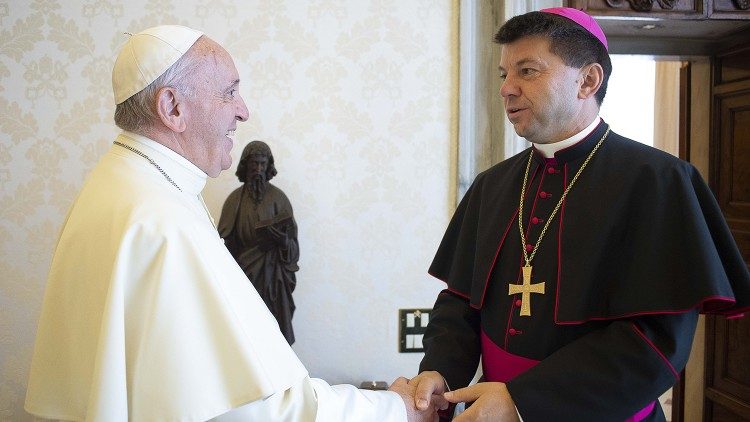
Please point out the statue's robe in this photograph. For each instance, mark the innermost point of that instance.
(270, 267)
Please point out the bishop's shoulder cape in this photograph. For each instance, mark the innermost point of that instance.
(641, 233)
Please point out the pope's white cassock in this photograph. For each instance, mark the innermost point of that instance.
(147, 317)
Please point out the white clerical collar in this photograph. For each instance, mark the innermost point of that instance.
(185, 174)
(549, 150)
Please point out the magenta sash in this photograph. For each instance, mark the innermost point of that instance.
(501, 366)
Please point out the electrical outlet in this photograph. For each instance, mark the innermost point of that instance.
(412, 325)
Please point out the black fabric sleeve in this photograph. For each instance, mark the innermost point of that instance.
(608, 374)
(452, 340)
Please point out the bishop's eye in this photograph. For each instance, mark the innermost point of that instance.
(528, 71)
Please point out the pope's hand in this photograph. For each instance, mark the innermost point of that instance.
(428, 384)
(492, 402)
(426, 414)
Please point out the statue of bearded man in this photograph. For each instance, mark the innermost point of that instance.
(259, 230)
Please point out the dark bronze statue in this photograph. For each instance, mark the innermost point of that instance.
(259, 230)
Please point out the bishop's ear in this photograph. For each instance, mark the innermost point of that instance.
(171, 108)
(592, 76)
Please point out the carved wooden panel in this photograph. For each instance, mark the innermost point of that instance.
(729, 9)
(733, 68)
(727, 391)
(733, 166)
(728, 388)
(664, 9)
(723, 414)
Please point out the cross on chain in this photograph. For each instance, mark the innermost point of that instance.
(526, 289)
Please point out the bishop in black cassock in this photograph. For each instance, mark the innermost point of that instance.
(605, 322)
(628, 265)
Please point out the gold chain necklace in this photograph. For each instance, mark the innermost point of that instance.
(164, 173)
(527, 288)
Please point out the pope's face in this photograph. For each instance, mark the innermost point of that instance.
(539, 91)
(215, 106)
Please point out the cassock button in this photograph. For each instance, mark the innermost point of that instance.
(551, 170)
(535, 220)
(543, 194)
(529, 248)
(518, 303)
(512, 331)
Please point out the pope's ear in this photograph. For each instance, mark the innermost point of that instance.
(592, 77)
(171, 108)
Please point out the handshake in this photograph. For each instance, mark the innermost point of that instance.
(425, 395)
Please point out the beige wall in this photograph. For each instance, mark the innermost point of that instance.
(355, 99)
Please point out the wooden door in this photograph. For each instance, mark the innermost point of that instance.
(727, 382)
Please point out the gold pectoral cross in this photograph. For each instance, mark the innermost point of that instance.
(526, 289)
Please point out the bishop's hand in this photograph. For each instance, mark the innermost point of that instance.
(492, 402)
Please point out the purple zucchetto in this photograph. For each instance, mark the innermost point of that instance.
(587, 22)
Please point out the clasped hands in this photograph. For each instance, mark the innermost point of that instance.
(425, 394)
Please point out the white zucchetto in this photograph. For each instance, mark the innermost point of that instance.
(147, 55)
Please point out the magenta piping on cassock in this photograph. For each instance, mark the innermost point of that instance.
(656, 349)
(726, 301)
(494, 261)
(559, 241)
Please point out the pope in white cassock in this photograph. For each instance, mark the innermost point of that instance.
(146, 315)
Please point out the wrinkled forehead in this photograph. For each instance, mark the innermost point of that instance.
(214, 60)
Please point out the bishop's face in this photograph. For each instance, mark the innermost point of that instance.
(539, 90)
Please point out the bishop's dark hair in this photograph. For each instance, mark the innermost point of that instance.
(255, 148)
(571, 42)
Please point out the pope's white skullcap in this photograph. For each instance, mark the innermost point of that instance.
(147, 55)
